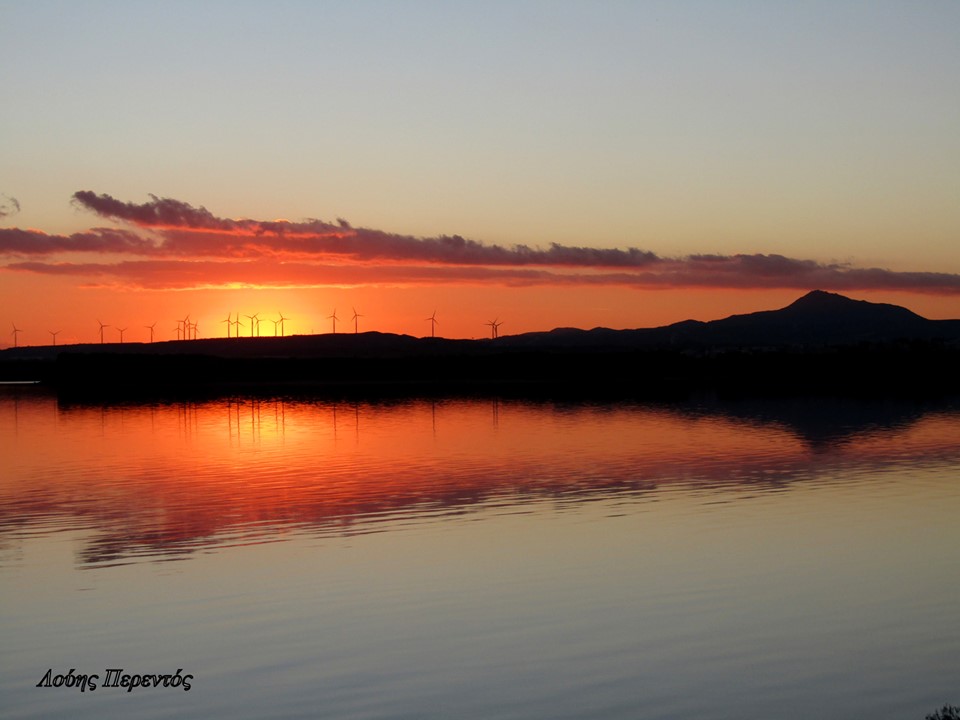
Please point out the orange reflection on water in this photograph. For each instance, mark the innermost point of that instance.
(171, 478)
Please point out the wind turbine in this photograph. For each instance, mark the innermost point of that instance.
(102, 326)
(493, 328)
(121, 331)
(229, 322)
(356, 324)
(14, 333)
(282, 318)
(334, 318)
(54, 336)
(433, 323)
(238, 324)
(276, 323)
(150, 328)
(176, 329)
(254, 323)
(496, 328)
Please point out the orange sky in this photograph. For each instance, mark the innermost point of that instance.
(157, 262)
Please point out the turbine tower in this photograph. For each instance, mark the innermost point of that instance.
(433, 324)
(121, 331)
(16, 330)
(281, 321)
(493, 328)
(102, 326)
(54, 336)
(150, 328)
(334, 318)
(229, 323)
(356, 324)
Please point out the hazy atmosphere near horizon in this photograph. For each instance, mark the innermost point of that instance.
(618, 164)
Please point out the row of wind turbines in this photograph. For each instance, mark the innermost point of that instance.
(494, 324)
(187, 330)
(16, 332)
(254, 324)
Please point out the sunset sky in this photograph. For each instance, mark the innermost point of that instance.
(619, 164)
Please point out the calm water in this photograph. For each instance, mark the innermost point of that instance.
(480, 559)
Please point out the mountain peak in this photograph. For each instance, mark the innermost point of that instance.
(819, 303)
(821, 300)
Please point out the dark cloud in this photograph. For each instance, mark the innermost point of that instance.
(189, 230)
(8, 206)
(159, 212)
(100, 240)
(167, 213)
(220, 251)
(735, 273)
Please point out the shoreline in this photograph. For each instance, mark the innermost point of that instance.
(898, 369)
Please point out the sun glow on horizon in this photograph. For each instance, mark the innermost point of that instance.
(462, 311)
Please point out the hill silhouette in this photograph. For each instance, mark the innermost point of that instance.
(821, 342)
(818, 319)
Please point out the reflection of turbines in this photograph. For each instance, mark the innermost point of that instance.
(102, 326)
(15, 332)
(54, 333)
(281, 321)
(150, 328)
(334, 318)
(356, 324)
(433, 324)
(494, 328)
(121, 331)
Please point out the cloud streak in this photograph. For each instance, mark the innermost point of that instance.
(14, 241)
(187, 230)
(175, 245)
(738, 272)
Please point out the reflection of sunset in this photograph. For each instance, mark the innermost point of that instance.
(173, 477)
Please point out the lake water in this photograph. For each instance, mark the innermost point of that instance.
(305, 558)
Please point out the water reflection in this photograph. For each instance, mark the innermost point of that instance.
(162, 481)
